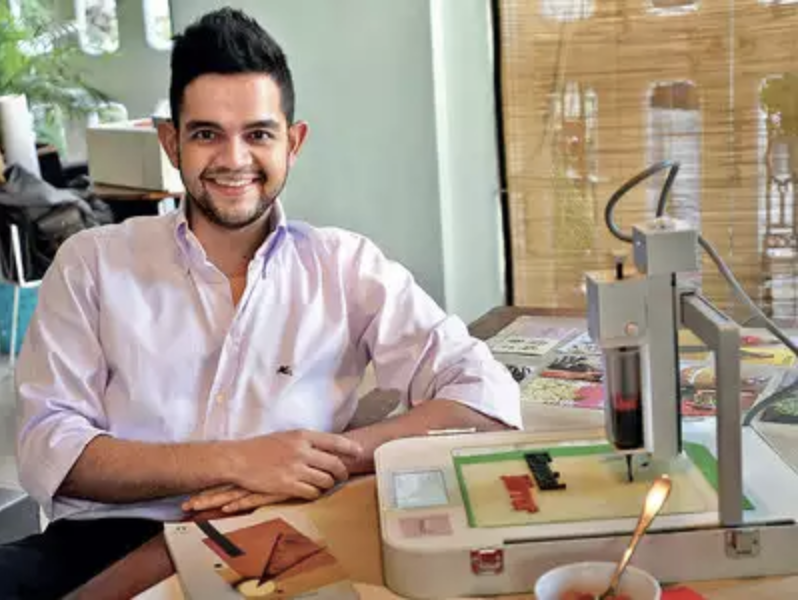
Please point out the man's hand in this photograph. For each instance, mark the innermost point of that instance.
(299, 464)
(230, 500)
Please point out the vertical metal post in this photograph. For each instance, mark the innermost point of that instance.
(722, 334)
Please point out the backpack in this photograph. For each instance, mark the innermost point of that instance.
(45, 216)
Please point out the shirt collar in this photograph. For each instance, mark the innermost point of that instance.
(193, 251)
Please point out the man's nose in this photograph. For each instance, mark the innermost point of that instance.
(236, 153)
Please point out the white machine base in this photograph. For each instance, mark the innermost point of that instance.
(464, 561)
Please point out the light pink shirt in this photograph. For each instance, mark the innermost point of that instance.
(136, 336)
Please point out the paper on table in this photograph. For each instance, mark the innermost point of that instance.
(530, 336)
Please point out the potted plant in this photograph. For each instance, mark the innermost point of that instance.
(37, 59)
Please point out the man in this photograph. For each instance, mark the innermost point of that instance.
(209, 359)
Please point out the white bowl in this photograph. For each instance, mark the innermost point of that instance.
(593, 578)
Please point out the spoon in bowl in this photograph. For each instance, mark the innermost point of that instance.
(655, 498)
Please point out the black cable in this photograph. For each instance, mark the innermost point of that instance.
(759, 407)
(631, 184)
(741, 293)
(672, 174)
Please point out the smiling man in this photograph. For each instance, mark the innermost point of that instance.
(210, 358)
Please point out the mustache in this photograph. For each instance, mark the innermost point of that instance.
(250, 173)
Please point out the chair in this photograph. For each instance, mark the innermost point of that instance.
(19, 283)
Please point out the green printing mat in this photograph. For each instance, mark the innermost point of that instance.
(597, 488)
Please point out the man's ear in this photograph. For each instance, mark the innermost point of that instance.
(168, 137)
(296, 136)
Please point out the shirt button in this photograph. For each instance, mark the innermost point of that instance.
(220, 398)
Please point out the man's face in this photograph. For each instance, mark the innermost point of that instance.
(233, 146)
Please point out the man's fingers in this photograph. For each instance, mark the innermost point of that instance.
(331, 464)
(251, 502)
(187, 505)
(317, 478)
(208, 502)
(303, 490)
(213, 500)
(334, 443)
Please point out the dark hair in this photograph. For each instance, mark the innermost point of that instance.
(227, 41)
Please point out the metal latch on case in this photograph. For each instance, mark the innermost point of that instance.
(742, 543)
(487, 561)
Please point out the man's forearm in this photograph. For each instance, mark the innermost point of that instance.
(429, 415)
(119, 471)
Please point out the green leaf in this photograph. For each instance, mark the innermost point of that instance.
(47, 78)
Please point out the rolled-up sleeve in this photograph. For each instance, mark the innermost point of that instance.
(419, 350)
(61, 374)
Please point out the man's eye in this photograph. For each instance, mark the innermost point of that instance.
(260, 135)
(203, 135)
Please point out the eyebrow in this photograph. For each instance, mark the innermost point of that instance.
(199, 124)
(268, 124)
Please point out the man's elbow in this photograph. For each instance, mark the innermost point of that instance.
(493, 424)
(33, 481)
(464, 416)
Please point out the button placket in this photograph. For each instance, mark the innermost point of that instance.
(230, 362)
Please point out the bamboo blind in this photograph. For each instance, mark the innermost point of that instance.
(592, 92)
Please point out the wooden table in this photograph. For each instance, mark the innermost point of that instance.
(348, 519)
(117, 193)
(128, 201)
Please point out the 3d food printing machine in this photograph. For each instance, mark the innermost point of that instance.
(461, 516)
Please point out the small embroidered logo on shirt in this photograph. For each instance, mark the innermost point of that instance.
(284, 370)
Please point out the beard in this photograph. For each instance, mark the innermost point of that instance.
(204, 204)
(202, 201)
